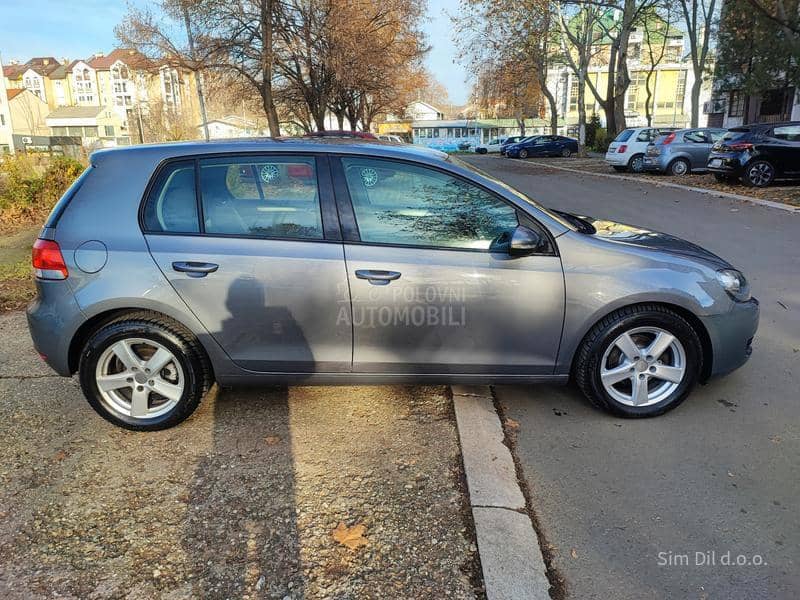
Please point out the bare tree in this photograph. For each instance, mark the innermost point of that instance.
(656, 34)
(700, 20)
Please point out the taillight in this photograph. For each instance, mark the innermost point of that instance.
(48, 263)
(740, 146)
(669, 138)
(622, 149)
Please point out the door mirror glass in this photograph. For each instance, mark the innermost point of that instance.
(520, 241)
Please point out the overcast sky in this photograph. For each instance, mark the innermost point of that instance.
(79, 28)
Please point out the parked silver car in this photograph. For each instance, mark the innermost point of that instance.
(681, 152)
(167, 267)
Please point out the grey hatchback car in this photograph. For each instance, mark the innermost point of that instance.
(167, 267)
(681, 152)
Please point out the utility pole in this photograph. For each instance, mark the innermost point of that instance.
(197, 78)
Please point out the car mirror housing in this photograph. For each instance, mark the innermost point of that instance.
(521, 241)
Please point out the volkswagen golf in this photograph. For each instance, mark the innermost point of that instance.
(166, 268)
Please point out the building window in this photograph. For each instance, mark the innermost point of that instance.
(680, 90)
(736, 104)
(170, 87)
(672, 54)
(109, 130)
(2, 119)
(573, 95)
(84, 86)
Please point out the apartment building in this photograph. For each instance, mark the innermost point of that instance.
(6, 133)
(670, 82)
(133, 99)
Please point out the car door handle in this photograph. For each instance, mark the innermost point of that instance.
(377, 277)
(195, 269)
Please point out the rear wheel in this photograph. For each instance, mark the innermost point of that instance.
(636, 163)
(759, 173)
(566, 152)
(679, 167)
(481, 151)
(523, 153)
(144, 372)
(640, 361)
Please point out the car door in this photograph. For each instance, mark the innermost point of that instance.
(428, 296)
(786, 148)
(263, 266)
(697, 144)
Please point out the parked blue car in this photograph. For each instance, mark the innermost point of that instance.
(543, 145)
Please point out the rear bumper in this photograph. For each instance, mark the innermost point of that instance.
(654, 164)
(53, 318)
(617, 160)
(732, 336)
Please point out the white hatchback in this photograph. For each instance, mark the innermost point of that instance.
(627, 150)
(493, 146)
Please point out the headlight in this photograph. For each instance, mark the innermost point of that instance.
(735, 283)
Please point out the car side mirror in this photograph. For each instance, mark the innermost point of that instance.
(521, 241)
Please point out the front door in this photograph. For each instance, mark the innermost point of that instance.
(427, 294)
(786, 148)
(259, 268)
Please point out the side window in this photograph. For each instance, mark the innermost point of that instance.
(646, 135)
(716, 135)
(790, 133)
(172, 203)
(266, 196)
(698, 137)
(398, 203)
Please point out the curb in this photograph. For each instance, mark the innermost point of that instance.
(750, 199)
(512, 562)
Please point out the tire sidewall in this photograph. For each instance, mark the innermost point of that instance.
(676, 162)
(636, 159)
(674, 325)
(761, 185)
(113, 333)
(523, 153)
(566, 153)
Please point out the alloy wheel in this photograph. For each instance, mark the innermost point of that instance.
(566, 153)
(679, 167)
(637, 164)
(523, 153)
(760, 174)
(139, 378)
(643, 366)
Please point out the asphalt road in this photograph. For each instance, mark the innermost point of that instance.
(623, 501)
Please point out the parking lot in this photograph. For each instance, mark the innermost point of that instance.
(623, 502)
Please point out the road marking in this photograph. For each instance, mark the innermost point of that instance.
(511, 560)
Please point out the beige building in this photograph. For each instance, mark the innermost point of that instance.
(6, 139)
(28, 113)
(97, 126)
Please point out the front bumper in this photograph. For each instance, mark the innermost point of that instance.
(728, 164)
(732, 336)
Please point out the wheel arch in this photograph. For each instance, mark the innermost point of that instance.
(685, 313)
(101, 319)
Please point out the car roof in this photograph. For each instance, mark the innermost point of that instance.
(324, 145)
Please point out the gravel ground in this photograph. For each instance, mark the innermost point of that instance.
(240, 501)
(787, 192)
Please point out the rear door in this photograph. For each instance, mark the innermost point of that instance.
(428, 295)
(251, 244)
(697, 144)
(786, 148)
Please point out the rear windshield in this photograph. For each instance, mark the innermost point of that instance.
(624, 135)
(735, 134)
(58, 209)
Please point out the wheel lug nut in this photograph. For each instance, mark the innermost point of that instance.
(129, 380)
(150, 382)
(641, 375)
(652, 369)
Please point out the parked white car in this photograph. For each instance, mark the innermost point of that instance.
(491, 147)
(388, 137)
(626, 152)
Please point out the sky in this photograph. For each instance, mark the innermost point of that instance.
(79, 28)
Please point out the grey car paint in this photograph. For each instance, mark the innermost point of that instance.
(524, 316)
(690, 145)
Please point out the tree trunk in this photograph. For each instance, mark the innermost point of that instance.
(340, 120)
(551, 101)
(582, 113)
(698, 83)
(267, 63)
(197, 79)
(521, 124)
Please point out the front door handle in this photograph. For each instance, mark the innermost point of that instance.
(377, 277)
(195, 269)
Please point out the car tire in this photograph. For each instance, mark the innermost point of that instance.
(116, 357)
(523, 153)
(679, 167)
(636, 163)
(566, 152)
(639, 392)
(759, 173)
(481, 151)
(619, 168)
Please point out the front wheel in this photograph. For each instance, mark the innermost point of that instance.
(639, 361)
(523, 153)
(144, 372)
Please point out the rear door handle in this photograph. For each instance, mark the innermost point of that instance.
(195, 269)
(377, 277)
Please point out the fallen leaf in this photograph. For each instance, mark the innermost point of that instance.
(60, 455)
(272, 440)
(352, 537)
(512, 424)
(574, 553)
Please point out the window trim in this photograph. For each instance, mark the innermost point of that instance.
(330, 225)
(350, 225)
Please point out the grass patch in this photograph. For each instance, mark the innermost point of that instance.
(16, 280)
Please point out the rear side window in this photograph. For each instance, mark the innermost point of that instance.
(735, 134)
(62, 203)
(172, 203)
(624, 135)
(790, 133)
(264, 196)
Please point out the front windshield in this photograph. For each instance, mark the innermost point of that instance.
(552, 214)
